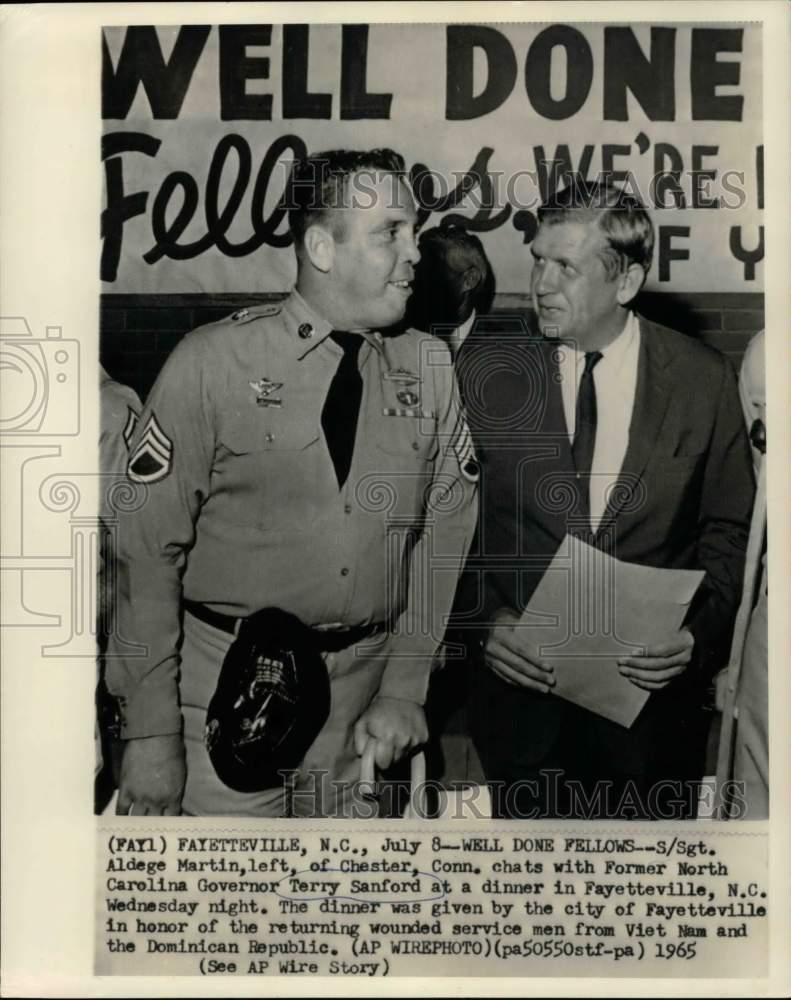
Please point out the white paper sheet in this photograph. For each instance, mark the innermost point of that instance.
(590, 609)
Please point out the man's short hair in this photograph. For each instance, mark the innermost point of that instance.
(456, 237)
(622, 218)
(319, 183)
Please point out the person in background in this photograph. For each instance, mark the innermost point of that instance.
(120, 409)
(751, 749)
(119, 412)
(453, 294)
(454, 284)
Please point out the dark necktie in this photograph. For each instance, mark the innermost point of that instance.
(585, 430)
(342, 405)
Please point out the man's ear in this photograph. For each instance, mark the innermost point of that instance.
(319, 246)
(630, 283)
(471, 278)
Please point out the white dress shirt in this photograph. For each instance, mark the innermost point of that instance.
(615, 379)
(459, 335)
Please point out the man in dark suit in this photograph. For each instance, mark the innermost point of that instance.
(628, 435)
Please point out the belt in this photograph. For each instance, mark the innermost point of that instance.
(325, 640)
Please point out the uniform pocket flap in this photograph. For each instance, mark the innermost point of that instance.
(268, 433)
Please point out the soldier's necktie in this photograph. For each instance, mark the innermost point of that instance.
(342, 405)
(585, 431)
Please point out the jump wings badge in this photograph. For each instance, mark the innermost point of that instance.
(152, 459)
(264, 388)
(402, 376)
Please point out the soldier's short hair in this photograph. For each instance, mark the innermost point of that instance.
(621, 216)
(319, 184)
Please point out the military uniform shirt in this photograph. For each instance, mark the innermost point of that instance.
(243, 509)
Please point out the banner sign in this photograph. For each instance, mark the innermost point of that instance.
(202, 123)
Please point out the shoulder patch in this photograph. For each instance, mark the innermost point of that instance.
(152, 459)
(461, 443)
(129, 429)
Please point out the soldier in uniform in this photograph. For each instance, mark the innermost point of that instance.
(296, 458)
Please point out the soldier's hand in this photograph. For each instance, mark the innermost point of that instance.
(397, 725)
(153, 772)
(660, 663)
(515, 659)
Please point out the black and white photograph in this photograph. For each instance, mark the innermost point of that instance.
(393, 501)
(510, 513)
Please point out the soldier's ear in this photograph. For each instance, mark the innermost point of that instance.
(630, 283)
(319, 244)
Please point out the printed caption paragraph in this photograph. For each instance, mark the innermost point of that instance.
(669, 903)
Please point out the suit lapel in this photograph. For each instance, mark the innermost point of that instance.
(651, 400)
(550, 489)
(554, 423)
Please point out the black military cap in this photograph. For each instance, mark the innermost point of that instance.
(272, 698)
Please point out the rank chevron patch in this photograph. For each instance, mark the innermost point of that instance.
(152, 459)
(131, 422)
(461, 443)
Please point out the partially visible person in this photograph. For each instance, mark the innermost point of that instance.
(119, 412)
(751, 750)
(454, 286)
(454, 283)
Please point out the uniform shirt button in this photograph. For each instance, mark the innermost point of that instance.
(345, 571)
(305, 331)
(415, 445)
(347, 508)
(270, 438)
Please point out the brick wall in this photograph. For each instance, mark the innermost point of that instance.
(139, 331)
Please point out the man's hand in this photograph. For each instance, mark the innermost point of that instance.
(153, 773)
(721, 682)
(513, 657)
(660, 663)
(398, 726)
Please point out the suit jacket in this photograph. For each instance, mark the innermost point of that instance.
(682, 500)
